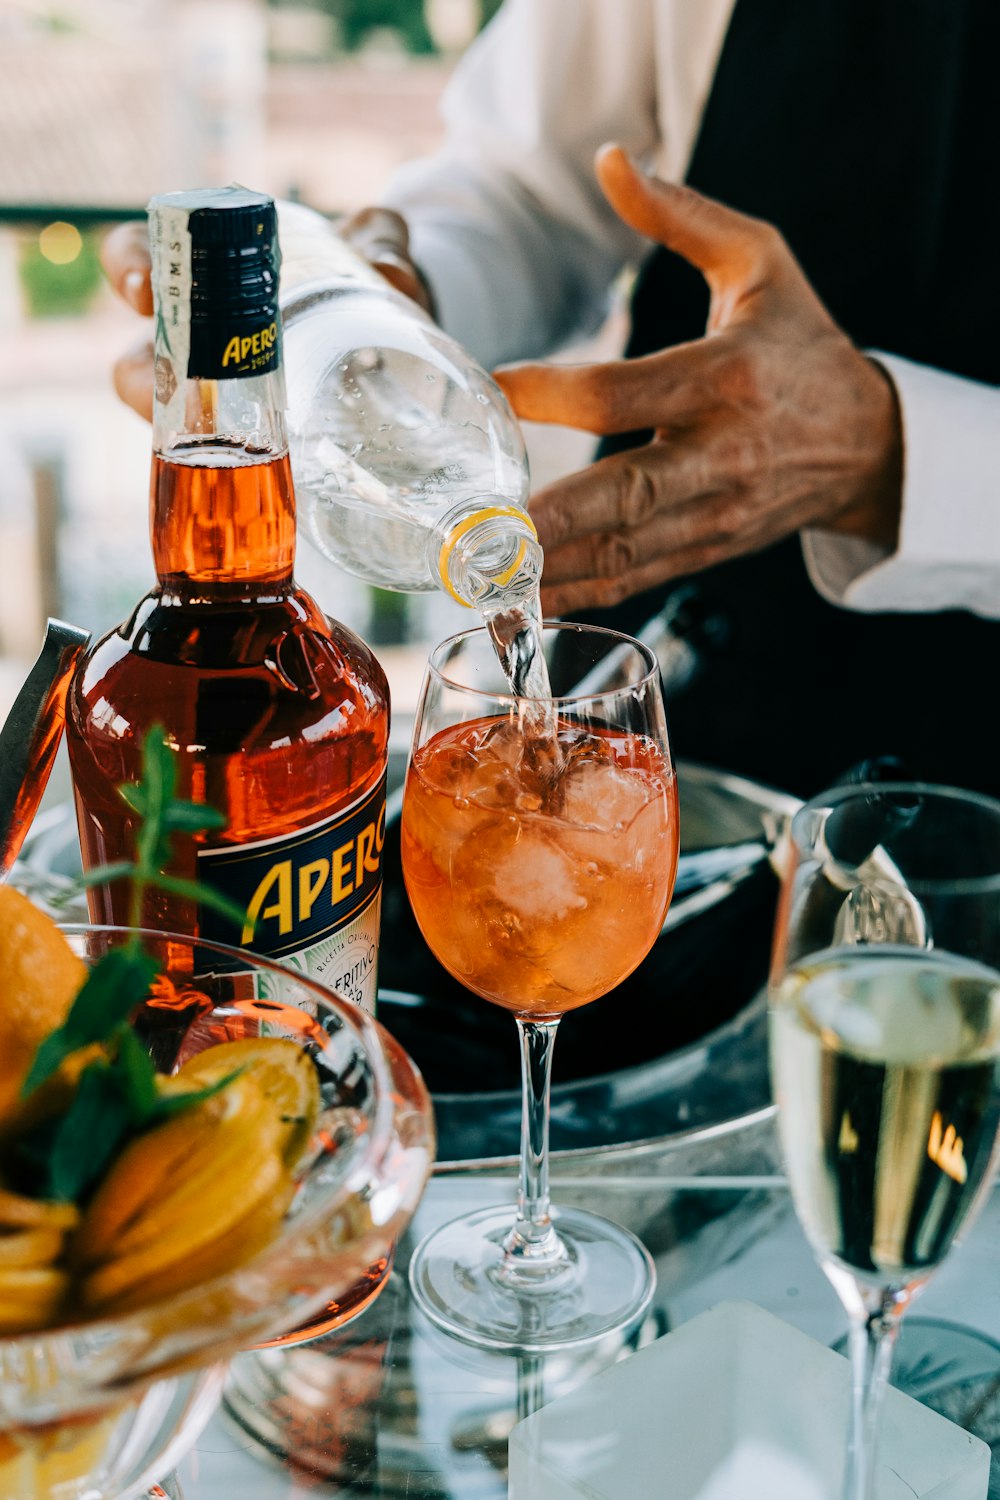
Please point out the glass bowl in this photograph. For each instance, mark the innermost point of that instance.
(100, 1410)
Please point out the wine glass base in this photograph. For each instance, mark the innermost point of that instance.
(605, 1283)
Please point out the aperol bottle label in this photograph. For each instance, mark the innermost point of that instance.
(312, 898)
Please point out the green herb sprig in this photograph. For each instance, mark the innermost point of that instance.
(161, 815)
(116, 1095)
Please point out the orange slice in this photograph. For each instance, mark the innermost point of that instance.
(39, 976)
(193, 1239)
(30, 1298)
(17, 1212)
(30, 1247)
(145, 1171)
(219, 1163)
(245, 1239)
(283, 1072)
(52, 1097)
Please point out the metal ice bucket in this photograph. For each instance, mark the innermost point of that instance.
(679, 1047)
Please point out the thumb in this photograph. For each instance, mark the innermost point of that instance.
(722, 243)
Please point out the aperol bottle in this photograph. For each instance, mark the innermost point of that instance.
(278, 717)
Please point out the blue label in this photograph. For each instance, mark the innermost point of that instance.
(301, 889)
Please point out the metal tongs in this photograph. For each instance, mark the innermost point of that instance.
(31, 734)
(878, 905)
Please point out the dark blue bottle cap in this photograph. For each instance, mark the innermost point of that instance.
(230, 244)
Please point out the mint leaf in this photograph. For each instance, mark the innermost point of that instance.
(192, 817)
(147, 1106)
(120, 870)
(109, 994)
(135, 1068)
(159, 778)
(163, 814)
(175, 813)
(51, 1054)
(134, 793)
(121, 979)
(205, 895)
(67, 1155)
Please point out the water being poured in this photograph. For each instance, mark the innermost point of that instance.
(515, 629)
(516, 633)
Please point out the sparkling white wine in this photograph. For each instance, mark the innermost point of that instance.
(884, 1062)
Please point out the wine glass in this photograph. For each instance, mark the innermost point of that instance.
(539, 848)
(884, 1037)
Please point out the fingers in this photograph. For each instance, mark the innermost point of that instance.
(598, 571)
(597, 521)
(133, 378)
(375, 229)
(382, 237)
(637, 519)
(568, 599)
(755, 436)
(716, 239)
(125, 257)
(626, 395)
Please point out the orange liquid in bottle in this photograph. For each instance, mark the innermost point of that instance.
(278, 716)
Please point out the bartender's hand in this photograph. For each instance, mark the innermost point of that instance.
(379, 235)
(125, 258)
(772, 422)
(382, 237)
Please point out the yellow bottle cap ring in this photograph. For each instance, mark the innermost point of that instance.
(489, 513)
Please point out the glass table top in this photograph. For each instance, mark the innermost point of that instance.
(391, 1407)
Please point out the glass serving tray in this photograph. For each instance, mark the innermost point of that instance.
(391, 1408)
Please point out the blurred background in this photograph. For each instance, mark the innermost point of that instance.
(103, 103)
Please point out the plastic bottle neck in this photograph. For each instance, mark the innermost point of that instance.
(487, 556)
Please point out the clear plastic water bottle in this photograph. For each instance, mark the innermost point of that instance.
(409, 465)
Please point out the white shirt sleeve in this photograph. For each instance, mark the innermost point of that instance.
(948, 553)
(507, 222)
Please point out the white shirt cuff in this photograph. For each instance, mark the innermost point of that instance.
(948, 554)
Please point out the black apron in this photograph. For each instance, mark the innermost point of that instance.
(867, 131)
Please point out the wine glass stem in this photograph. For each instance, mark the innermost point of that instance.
(530, 1385)
(872, 1338)
(533, 1241)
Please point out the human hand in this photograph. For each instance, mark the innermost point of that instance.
(772, 422)
(379, 235)
(125, 258)
(382, 238)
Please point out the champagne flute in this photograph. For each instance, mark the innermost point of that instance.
(539, 845)
(885, 1035)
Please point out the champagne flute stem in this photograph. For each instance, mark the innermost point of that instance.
(872, 1339)
(530, 1385)
(532, 1247)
